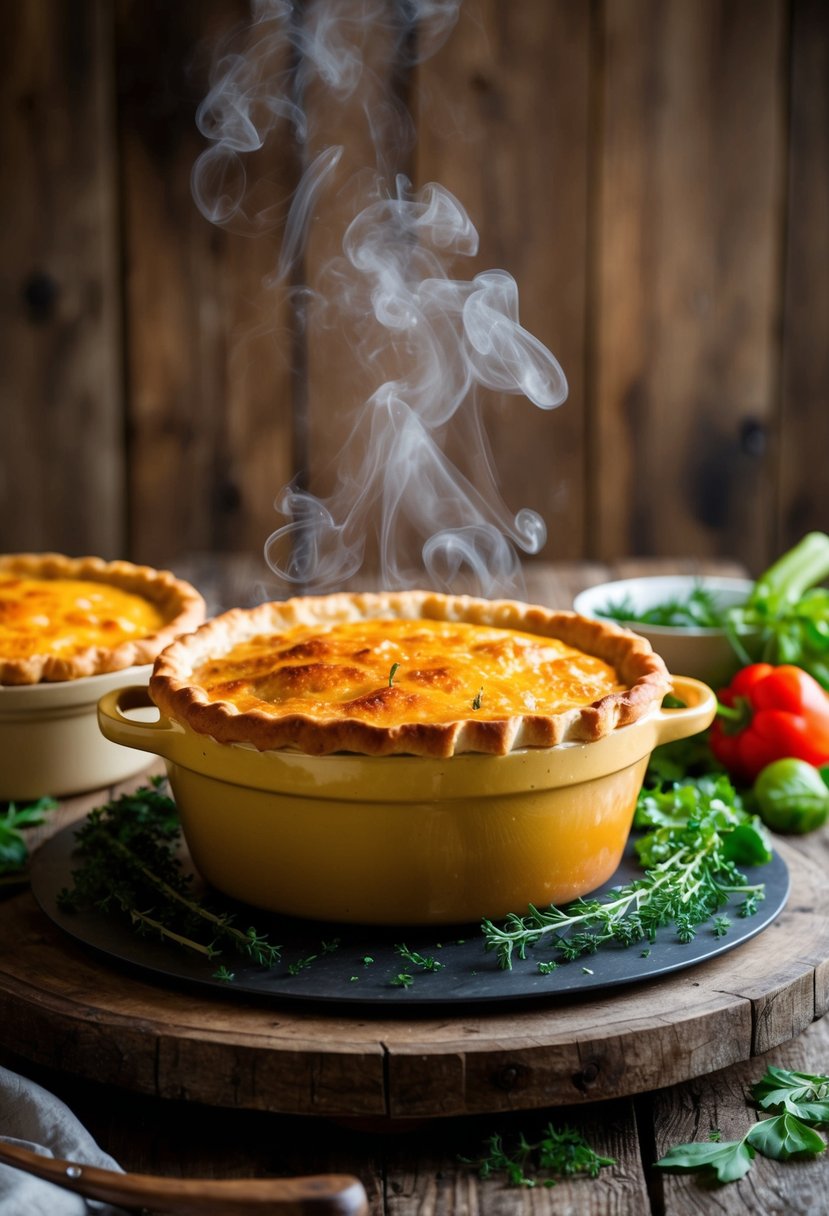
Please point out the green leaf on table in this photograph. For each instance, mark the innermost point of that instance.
(803, 1094)
(14, 851)
(729, 1159)
(785, 1136)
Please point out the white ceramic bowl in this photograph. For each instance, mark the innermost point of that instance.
(50, 743)
(705, 654)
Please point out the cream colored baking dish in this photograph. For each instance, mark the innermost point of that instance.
(50, 743)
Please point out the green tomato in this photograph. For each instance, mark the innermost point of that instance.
(791, 796)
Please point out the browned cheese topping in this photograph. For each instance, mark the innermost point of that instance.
(63, 617)
(387, 672)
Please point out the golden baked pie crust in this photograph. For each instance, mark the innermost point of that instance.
(174, 686)
(180, 606)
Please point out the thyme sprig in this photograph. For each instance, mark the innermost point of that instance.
(325, 947)
(127, 851)
(557, 1153)
(698, 835)
(424, 962)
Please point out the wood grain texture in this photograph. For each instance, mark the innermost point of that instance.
(208, 341)
(503, 115)
(691, 168)
(686, 1113)
(721, 1100)
(62, 1007)
(61, 445)
(804, 419)
(427, 1173)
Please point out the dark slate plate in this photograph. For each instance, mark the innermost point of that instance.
(361, 970)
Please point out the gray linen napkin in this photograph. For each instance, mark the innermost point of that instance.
(33, 1118)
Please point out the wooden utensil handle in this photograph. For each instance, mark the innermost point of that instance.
(315, 1195)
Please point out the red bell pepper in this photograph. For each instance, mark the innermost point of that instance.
(769, 713)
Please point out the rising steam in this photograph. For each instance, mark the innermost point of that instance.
(431, 340)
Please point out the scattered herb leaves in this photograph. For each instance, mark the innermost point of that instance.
(730, 1160)
(128, 864)
(795, 1100)
(699, 609)
(800, 1093)
(424, 962)
(393, 673)
(324, 948)
(696, 835)
(477, 700)
(558, 1153)
(784, 1136)
(402, 980)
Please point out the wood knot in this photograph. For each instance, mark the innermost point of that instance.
(40, 295)
(509, 1077)
(586, 1077)
(753, 437)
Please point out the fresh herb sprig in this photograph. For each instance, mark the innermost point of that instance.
(558, 1153)
(424, 962)
(798, 1101)
(325, 947)
(14, 848)
(128, 864)
(698, 834)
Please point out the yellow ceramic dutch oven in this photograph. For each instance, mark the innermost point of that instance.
(405, 839)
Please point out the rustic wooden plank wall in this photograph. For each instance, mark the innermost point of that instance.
(207, 364)
(691, 196)
(804, 400)
(505, 124)
(654, 173)
(62, 459)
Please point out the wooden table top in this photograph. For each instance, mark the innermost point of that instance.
(417, 1167)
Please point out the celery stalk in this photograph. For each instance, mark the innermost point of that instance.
(786, 616)
(787, 580)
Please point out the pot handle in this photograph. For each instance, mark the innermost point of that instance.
(698, 711)
(153, 737)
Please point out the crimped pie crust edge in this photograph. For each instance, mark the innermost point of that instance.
(180, 603)
(179, 698)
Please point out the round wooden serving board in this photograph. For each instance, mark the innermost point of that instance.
(60, 1006)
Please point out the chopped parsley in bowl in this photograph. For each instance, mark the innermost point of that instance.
(682, 616)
